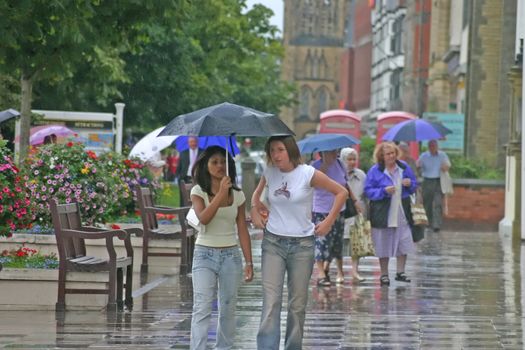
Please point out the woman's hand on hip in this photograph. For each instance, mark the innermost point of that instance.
(322, 228)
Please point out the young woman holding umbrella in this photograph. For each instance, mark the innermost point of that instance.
(217, 263)
(289, 237)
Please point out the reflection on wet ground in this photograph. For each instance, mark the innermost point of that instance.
(466, 293)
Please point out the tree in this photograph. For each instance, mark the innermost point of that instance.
(47, 40)
(214, 53)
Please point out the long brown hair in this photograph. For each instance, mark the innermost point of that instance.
(291, 147)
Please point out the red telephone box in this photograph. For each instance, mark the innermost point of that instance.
(340, 121)
(387, 120)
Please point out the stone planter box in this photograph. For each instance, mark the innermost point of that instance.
(46, 244)
(36, 289)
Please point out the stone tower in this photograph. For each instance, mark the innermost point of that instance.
(313, 38)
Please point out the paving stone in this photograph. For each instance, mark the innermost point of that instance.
(466, 293)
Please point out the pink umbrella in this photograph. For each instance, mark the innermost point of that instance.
(38, 133)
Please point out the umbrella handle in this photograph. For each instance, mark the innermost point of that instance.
(227, 167)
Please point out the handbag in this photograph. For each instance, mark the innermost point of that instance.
(419, 216)
(361, 238)
(350, 208)
(418, 233)
(194, 222)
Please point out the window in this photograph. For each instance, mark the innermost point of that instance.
(322, 101)
(305, 102)
(395, 83)
(396, 42)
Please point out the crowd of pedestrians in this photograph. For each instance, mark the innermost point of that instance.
(300, 209)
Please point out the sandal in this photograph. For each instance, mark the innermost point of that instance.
(401, 276)
(384, 280)
(323, 282)
(340, 280)
(357, 277)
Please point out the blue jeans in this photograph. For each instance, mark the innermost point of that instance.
(212, 266)
(295, 256)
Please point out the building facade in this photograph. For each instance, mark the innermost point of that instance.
(417, 54)
(491, 44)
(388, 56)
(313, 39)
(356, 62)
(448, 56)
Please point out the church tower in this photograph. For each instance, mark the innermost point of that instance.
(313, 38)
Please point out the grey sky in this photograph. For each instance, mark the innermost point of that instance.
(277, 8)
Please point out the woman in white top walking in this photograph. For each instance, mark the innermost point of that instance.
(288, 243)
(220, 207)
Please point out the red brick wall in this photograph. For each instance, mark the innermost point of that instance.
(476, 205)
(361, 82)
(345, 93)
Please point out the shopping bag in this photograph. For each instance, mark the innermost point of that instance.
(194, 222)
(445, 181)
(419, 216)
(361, 237)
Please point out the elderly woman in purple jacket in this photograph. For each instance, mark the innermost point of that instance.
(389, 184)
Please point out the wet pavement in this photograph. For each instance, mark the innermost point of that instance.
(466, 293)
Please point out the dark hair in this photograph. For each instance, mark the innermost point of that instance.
(291, 147)
(47, 140)
(200, 172)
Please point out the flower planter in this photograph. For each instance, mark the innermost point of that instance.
(36, 289)
(46, 244)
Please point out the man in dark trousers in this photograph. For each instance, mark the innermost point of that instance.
(187, 159)
(432, 163)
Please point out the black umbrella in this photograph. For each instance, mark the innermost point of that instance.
(8, 114)
(226, 119)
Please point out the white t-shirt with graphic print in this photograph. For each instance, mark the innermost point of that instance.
(290, 195)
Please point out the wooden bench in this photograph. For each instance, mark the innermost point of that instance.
(185, 189)
(71, 236)
(151, 229)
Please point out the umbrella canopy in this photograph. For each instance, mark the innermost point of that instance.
(206, 141)
(326, 142)
(416, 130)
(8, 114)
(38, 133)
(226, 119)
(151, 144)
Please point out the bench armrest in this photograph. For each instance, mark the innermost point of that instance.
(122, 234)
(166, 210)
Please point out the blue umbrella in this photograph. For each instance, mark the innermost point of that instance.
(181, 143)
(416, 130)
(326, 142)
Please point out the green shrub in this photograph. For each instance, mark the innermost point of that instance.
(102, 184)
(463, 168)
(366, 154)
